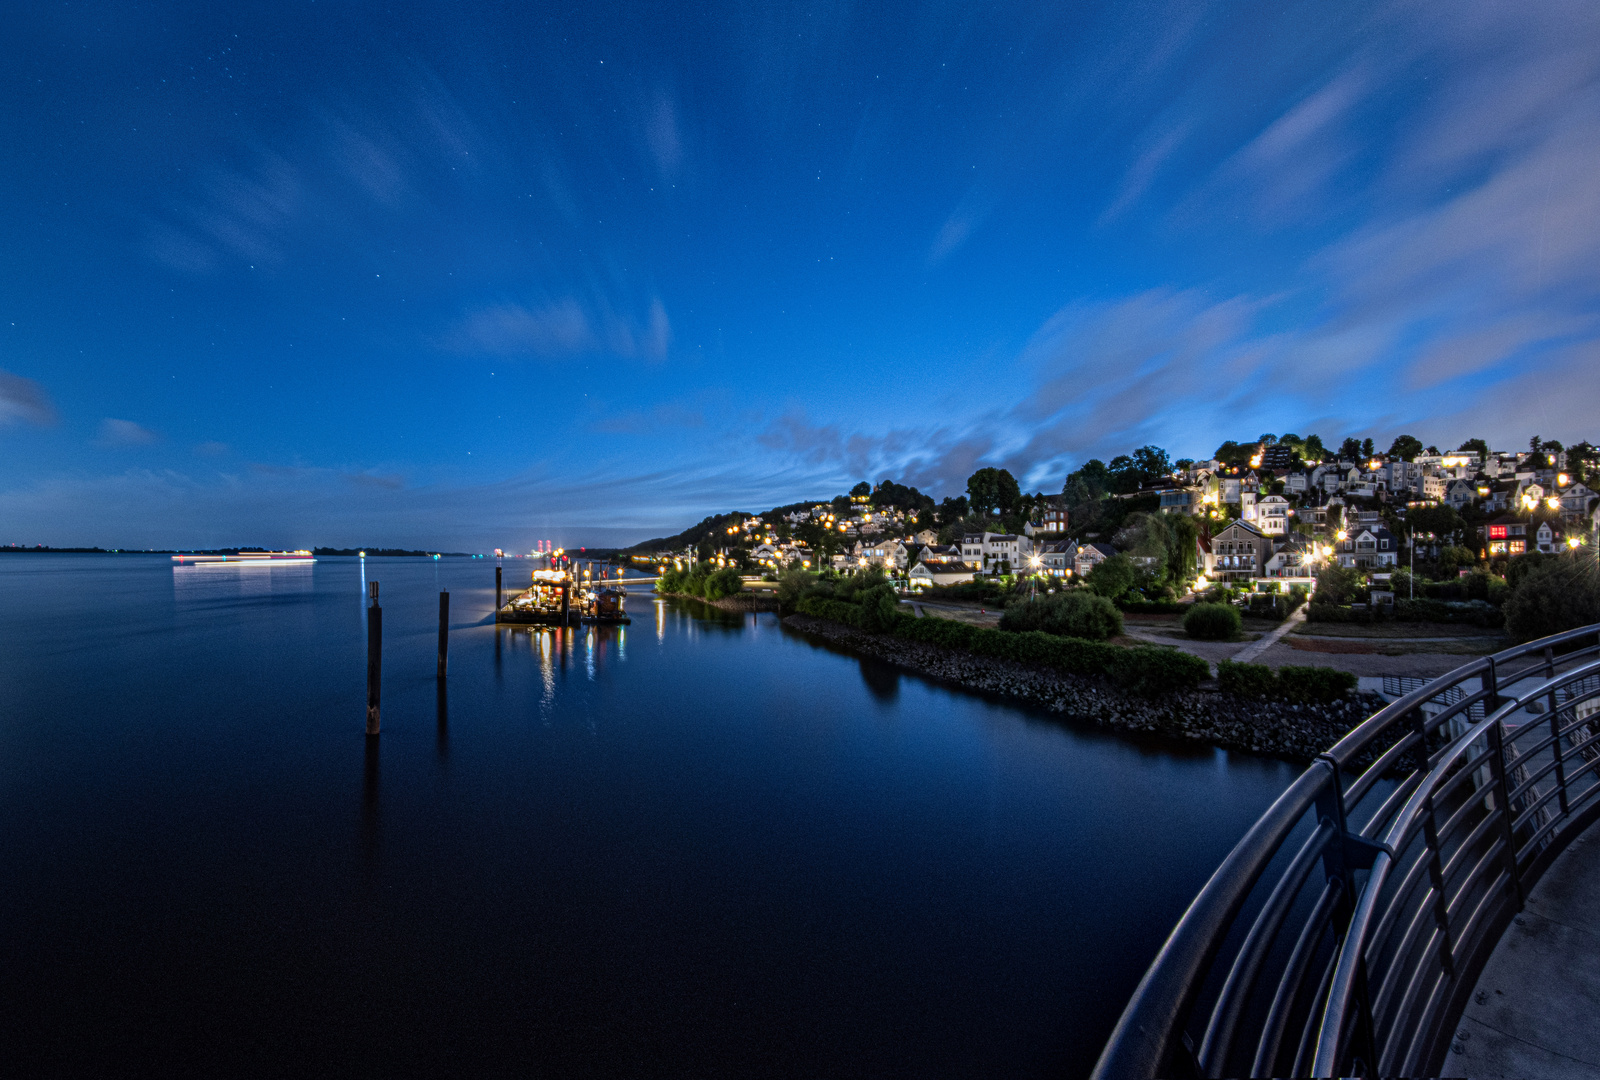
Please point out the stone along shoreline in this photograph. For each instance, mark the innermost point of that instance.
(1295, 732)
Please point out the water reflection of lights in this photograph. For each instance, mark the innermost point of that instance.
(202, 582)
(547, 674)
(588, 654)
(661, 620)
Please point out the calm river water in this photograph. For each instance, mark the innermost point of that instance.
(701, 845)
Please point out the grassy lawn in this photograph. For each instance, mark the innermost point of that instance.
(1461, 646)
(1392, 631)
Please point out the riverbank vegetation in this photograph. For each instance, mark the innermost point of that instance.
(1540, 595)
(1301, 685)
(703, 580)
(1213, 622)
(1076, 613)
(867, 603)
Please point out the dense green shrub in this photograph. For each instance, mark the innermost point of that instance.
(1471, 612)
(1562, 593)
(1302, 685)
(1337, 585)
(791, 584)
(1313, 684)
(725, 582)
(1079, 613)
(1113, 577)
(702, 580)
(1334, 613)
(1212, 622)
(1246, 680)
(1523, 566)
(1133, 606)
(1145, 669)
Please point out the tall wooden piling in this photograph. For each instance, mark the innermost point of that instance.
(444, 631)
(498, 603)
(374, 657)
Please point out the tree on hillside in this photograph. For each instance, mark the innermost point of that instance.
(990, 489)
(1480, 446)
(1232, 453)
(1442, 521)
(1152, 462)
(860, 489)
(952, 510)
(1405, 447)
(1312, 449)
(1368, 448)
(1350, 449)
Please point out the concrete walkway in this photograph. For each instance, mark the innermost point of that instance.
(1272, 637)
(1536, 1009)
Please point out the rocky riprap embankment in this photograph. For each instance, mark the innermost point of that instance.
(1298, 732)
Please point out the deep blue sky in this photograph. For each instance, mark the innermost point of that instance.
(470, 274)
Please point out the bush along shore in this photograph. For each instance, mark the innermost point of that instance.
(722, 588)
(1147, 689)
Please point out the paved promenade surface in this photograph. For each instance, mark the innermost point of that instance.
(1536, 1009)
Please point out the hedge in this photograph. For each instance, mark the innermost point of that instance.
(1314, 684)
(1288, 683)
(1212, 622)
(1142, 669)
(1246, 680)
(1151, 607)
(1470, 613)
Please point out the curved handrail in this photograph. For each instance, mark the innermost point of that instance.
(1330, 1043)
(1329, 1001)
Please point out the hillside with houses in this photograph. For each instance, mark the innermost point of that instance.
(1263, 515)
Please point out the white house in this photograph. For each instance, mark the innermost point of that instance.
(1272, 515)
(1006, 553)
(1369, 547)
(1295, 558)
(926, 575)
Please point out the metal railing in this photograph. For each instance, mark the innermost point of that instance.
(1343, 932)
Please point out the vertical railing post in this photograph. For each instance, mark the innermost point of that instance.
(1561, 760)
(374, 657)
(1441, 902)
(1335, 864)
(1497, 762)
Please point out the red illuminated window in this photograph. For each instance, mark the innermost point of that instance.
(1497, 532)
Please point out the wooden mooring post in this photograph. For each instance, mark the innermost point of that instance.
(498, 603)
(374, 657)
(444, 631)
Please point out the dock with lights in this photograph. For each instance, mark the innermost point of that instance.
(563, 598)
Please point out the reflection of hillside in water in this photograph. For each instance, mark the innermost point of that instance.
(204, 583)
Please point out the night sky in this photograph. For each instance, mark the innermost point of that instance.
(471, 275)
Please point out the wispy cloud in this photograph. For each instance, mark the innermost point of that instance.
(23, 401)
(662, 136)
(125, 433)
(563, 327)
